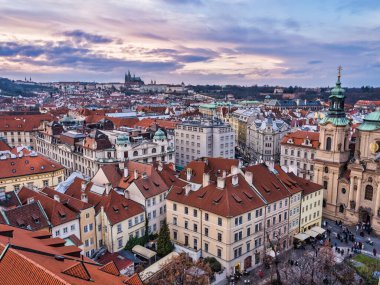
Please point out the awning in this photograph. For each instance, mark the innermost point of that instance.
(301, 236)
(311, 233)
(144, 252)
(317, 229)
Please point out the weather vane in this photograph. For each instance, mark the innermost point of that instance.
(339, 71)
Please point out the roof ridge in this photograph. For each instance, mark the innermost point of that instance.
(78, 270)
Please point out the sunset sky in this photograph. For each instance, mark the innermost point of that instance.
(276, 42)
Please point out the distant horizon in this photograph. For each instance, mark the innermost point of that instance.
(198, 42)
(187, 84)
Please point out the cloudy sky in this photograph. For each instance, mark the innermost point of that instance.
(277, 42)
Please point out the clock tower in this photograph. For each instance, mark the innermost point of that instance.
(333, 152)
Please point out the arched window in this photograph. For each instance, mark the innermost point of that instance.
(153, 150)
(344, 190)
(328, 143)
(135, 153)
(326, 169)
(368, 195)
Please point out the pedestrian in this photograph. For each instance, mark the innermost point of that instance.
(261, 274)
(374, 251)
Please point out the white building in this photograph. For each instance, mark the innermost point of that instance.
(264, 137)
(203, 138)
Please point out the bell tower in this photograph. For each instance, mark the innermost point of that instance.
(333, 149)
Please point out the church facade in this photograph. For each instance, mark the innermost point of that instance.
(351, 181)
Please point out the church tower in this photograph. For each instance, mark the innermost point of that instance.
(333, 151)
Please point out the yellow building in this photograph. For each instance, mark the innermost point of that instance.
(311, 204)
(222, 220)
(30, 170)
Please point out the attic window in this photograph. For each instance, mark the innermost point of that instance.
(157, 184)
(26, 161)
(12, 163)
(266, 189)
(125, 206)
(290, 140)
(180, 191)
(217, 200)
(36, 218)
(237, 198)
(172, 179)
(249, 196)
(42, 167)
(202, 195)
(13, 170)
(116, 209)
(146, 187)
(20, 222)
(31, 168)
(62, 214)
(276, 185)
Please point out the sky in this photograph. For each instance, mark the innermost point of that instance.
(274, 42)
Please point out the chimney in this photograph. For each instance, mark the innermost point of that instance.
(136, 174)
(187, 189)
(270, 164)
(220, 182)
(160, 166)
(125, 172)
(234, 169)
(205, 160)
(206, 179)
(248, 177)
(108, 187)
(83, 186)
(235, 180)
(188, 174)
(224, 174)
(126, 194)
(30, 200)
(84, 197)
(56, 198)
(121, 165)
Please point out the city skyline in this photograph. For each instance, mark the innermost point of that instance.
(197, 42)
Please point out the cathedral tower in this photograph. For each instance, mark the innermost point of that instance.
(333, 151)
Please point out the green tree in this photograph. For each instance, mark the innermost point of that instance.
(213, 263)
(164, 245)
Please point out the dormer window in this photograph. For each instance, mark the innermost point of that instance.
(62, 214)
(290, 140)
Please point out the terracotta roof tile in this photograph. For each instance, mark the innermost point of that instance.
(78, 270)
(110, 268)
(27, 165)
(230, 201)
(134, 280)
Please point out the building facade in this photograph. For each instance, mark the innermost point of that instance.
(298, 153)
(202, 138)
(264, 137)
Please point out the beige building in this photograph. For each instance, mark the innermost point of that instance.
(117, 218)
(222, 220)
(86, 214)
(298, 153)
(203, 138)
(28, 169)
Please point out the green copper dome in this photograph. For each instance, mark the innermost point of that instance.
(371, 122)
(122, 139)
(159, 135)
(336, 114)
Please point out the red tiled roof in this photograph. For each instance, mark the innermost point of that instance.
(4, 146)
(267, 183)
(120, 261)
(116, 206)
(110, 268)
(23, 123)
(212, 165)
(24, 267)
(27, 165)
(134, 280)
(299, 138)
(112, 173)
(56, 212)
(307, 186)
(29, 216)
(72, 203)
(230, 201)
